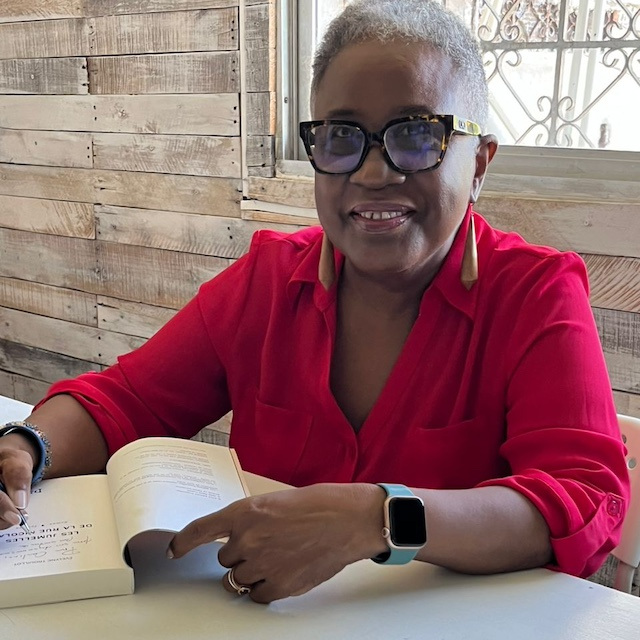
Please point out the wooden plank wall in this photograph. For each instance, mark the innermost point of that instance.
(121, 166)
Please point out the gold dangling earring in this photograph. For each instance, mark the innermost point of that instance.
(326, 265)
(469, 271)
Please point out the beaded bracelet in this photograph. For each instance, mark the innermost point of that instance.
(38, 439)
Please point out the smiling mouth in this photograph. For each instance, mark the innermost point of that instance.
(380, 215)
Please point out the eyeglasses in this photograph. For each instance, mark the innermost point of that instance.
(414, 143)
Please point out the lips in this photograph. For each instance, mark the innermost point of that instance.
(380, 216)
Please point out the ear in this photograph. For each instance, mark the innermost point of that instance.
(487, 148)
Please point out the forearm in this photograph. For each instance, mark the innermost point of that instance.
(483, 530)
(77, 444)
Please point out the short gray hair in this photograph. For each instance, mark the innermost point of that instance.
(422, 21)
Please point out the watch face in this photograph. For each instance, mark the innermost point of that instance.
(406, 517)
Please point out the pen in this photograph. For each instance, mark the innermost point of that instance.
(23, 522)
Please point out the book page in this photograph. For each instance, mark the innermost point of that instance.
(73, 530)
(165, 483)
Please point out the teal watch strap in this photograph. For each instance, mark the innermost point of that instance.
(401, 553)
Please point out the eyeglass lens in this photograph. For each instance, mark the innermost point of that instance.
(411, 145)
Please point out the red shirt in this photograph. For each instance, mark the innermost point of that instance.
(504, 384)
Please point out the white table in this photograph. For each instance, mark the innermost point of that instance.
(182, 599)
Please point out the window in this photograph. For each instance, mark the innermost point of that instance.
(562, 73)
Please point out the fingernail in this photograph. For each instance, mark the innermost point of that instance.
(21, 499)
(169, 553)
(12, 518)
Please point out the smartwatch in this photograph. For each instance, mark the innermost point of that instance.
(404, 528)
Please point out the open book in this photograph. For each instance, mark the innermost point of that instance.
(81, 525)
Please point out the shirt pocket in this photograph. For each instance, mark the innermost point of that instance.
(455, 456)
(273, 446)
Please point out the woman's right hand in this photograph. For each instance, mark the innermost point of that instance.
(16, 467)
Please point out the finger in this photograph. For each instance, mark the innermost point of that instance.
(17, 476)
(265, 592)
(9, 516)
(230, 554)
(201, 531)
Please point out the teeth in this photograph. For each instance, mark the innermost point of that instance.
(380, 215)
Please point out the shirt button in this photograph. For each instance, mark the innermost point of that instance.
(613, 508)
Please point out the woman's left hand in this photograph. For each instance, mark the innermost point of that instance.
(285, 543)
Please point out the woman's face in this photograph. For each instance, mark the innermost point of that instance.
(372, 83)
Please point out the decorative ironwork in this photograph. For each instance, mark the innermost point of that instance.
(586, 51)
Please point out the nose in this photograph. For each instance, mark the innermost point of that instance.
(375, 172)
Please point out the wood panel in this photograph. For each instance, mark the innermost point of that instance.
(154, 276)
(260, 47)
(22, 10)
(261, 151)
(206, 235)
(45, 300)
(296, 192)
(49, 148)
(165, 73)
(41, 364)
(620, 336)
(549, 188)
(610, 229)
(56, 217)
(21, 388)
(131, 318)
(44, 39)
(260, 118)
(53, 260)
(110, 7)
(182, 31)
(50, 183)
(193, 194)
(627, 403)
(615, 282)
(197, 114)
(45, 75)
(67, 338)
(192, 155)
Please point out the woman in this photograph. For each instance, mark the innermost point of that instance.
(403, 342)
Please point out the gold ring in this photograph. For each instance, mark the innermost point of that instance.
(240, 589)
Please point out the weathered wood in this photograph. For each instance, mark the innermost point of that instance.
(260, 47)
(45, 300)
(73, 219)
(154, 276)
(74, 185)
(206, 235)
(49, 148)
(261, 151)
(44, 39)
(44, 75)
(610, 229)
(615, 282)
(295, 192)
(560, 188)
(260, 119)
(174, 32)
(120, 7)
(262, 172)
(41, 364)
(627, 403)
(21, 388)
(190, 155)
(53, 260)
(620, 336)
(23, 10)
(67, 338)
(212, 436)
(260, 70)
(131, 318)
(193, 194)
(197, 114)
(165, 73)
(278, 218)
